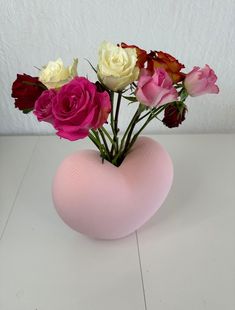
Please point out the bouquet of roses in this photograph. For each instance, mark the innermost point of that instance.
(79, 108)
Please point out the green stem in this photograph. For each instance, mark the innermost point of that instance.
(96, 134)
(128, 133)
(93, 139)
(134, 122)
(149, 119)
(117, 112)
(116, 129)
(140, 119)
(112, 119)
(111, 99)
(129, 127)
(105, 143)
(96, 140)
(128, 147)
(97, 144)
(127, 140)
(107, 135)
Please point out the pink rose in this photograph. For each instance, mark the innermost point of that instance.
(201, 81)
(43, 106)
(155, 89)
(78, 107)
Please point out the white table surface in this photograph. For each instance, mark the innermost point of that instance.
(182, 259)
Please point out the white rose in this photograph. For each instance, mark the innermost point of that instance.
(55, 74)
(117, 66)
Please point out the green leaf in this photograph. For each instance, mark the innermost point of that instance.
(91, 65)
(37, 68)
(26, 111)
(130, 98)
(183, 94)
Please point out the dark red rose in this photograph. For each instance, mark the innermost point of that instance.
(167, 62)
(174, 114)
(26, 90)
(141, 54)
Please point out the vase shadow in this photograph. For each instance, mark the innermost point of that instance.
(184, 204)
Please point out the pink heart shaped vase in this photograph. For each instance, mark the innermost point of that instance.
(108, 202)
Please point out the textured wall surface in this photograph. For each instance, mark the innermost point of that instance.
(196, 32)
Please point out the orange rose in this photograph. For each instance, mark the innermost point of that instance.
(167, 62)
(141, 54)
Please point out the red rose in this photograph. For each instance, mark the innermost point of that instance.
(171, 65)
(174, 114)
(26, 90)
(141, 54)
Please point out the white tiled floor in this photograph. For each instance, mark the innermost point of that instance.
(183, 259)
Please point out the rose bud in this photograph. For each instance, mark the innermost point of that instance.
(174, 114)
(201, 81)
(26, 90)
(78, 107)
(155, 89)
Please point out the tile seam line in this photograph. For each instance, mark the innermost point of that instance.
(141, 271)
(19, 188)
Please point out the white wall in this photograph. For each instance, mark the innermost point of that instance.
(32, 32)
